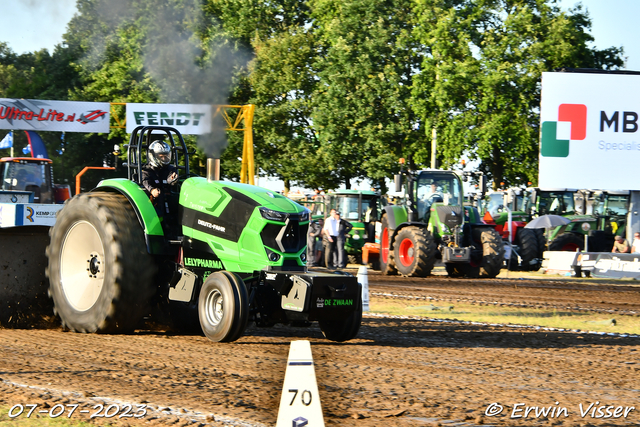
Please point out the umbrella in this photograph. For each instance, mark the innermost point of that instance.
(548, 221)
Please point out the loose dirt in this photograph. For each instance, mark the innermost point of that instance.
(397, 372)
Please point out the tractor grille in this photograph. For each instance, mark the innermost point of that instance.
(290, 238)
(450, 215)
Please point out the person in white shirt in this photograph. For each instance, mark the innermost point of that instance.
(330, 231)
(635, 246)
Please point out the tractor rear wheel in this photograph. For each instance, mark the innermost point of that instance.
(343, 330)
(99, 270)
(567, 242)
(386, 255)
(414, 252)
(223, 307)
(492, 254)
(527, 241)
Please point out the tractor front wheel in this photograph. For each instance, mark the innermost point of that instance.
(492, 254)
(99, 271)
(567, 242)
(414, 252)
(527, 241)
(386, 254)
(223, 307)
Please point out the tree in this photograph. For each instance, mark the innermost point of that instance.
(480, 84)
(366, 66)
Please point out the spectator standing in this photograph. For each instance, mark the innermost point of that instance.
(315, 231)
(620, 245)
(635, 246)
(330, 231)
(344, 227)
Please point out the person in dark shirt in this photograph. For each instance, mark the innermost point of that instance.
(158, 174)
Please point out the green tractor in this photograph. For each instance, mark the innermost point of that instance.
(430, 223)
(597, 215)
(362, 209)
(228, 253)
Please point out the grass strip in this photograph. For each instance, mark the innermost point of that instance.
(552, 318)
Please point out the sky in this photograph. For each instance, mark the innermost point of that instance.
(31, 25)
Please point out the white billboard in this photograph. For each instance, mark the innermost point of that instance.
(590, 131)
(188, 119)
(60, 116)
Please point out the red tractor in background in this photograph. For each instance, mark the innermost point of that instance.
(523, 246)
(24, 175)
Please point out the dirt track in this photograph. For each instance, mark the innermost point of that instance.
(397, 372)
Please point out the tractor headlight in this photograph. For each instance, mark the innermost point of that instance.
(273, 257)
(303, 257)
(304, 216)
(356, 237)
(272, 215)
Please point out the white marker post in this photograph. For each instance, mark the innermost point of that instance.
(363, 279)
(300, 401)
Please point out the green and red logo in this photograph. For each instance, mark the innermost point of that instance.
(571, 126)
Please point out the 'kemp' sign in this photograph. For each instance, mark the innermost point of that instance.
(61, 116)
(590, 131)
(189, 119)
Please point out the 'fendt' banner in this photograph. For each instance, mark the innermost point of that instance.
(61, 116)
(590, 131)
(189, 119)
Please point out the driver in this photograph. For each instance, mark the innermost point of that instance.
(159, 173)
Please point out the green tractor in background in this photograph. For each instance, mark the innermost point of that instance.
(430, 222)
(597, 215)
(362, 208)
(229, 253)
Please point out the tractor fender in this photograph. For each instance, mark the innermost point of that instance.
(146, 213)
(398, 218)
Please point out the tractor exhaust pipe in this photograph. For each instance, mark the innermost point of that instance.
(213, 170)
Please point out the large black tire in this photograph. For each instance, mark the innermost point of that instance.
(99, 270)
(387, 266)
(223, 307)
(527, 241)
(492, 254)
(343, 330)
(567, 242)
(542, 240)
(414, 252)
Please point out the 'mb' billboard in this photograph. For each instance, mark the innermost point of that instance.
(590, 134)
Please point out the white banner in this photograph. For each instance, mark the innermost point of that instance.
(188, 119)
(590, 131)
(15, 215)
(61, 116)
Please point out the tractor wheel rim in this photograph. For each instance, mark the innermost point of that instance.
(82, 266)
(406, 252)
(384, 245)
(214, 308)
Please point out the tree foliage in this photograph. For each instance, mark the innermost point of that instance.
(342, 89)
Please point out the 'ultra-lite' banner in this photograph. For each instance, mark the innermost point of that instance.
(61, 116)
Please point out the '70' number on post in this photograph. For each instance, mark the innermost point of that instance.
(305, 396)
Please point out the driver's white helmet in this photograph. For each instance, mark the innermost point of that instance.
(159, 154)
